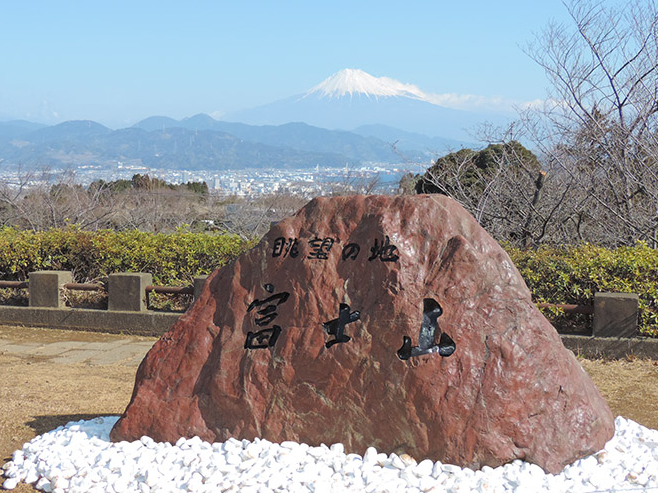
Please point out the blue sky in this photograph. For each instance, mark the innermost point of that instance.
(118, 62)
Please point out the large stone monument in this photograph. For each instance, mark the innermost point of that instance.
(393, 322)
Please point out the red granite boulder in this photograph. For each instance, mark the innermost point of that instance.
(393, 322)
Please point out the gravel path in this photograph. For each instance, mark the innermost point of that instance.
(125, 351)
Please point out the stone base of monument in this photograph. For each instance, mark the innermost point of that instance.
(389, 322)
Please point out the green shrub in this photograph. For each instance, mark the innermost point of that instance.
(572, 275)
(173, 259)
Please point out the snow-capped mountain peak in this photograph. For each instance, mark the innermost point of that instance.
(354, 81)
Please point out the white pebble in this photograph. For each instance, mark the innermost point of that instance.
(79, 457)
(396, 462)
(451, 469)
(338, 448)
(370, 456)
(10, 483)
(437, 470)
(424, 468)
(408, 460)
(44, 484)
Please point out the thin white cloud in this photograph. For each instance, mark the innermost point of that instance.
(473, 102)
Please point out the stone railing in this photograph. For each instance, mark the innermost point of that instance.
(615, 314)
(127, 306)
(614, 330)
(126, 291)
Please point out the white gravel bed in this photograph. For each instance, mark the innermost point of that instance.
(79, 457)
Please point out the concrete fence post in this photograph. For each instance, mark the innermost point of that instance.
(127, 291)
(199, 282)
(615, 314)
(45, 288)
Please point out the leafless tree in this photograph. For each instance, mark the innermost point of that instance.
(596, 136)
(598, 128)
(34, 203)
(253, 217)
(503, 185)
(12, 208)
(39, 202)
(159, 210)
(356, 183)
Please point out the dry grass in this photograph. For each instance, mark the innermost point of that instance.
(629, 386)
(37, 395)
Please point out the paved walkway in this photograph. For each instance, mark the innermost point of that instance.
(124, 351)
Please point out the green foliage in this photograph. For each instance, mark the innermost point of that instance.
(568, 275)
(120, 185)
(173, 259)
(427, 183)
(472, 168)
(60, 189)
(510, 153)
(572, 274)
(145, 182)
(407, 185)
(200, 187)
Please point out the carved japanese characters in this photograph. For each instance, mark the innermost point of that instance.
(426, 339)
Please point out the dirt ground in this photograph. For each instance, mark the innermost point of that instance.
(37, 395)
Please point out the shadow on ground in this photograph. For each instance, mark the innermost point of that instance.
(46, 423)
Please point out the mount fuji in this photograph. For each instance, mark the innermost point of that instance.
(353, 98)
(357, 82)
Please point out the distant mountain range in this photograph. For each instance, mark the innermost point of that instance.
(202, 143)
(373, 120)
(77, 143)
(352, 146)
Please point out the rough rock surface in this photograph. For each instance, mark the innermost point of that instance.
(340, 326)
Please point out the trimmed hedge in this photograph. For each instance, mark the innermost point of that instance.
(570, 274)
(172, 259)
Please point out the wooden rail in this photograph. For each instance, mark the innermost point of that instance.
(99, 287)
(170, 289)
(585, 309)
(14, 284)
(83, 287)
